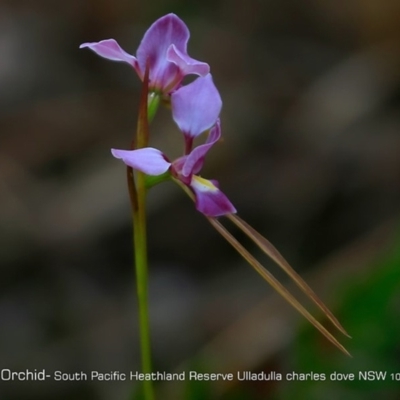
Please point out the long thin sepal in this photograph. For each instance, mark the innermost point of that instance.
(270, 250)
(274, 283)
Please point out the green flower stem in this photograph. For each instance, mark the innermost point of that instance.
(138, 200)
(140, 246)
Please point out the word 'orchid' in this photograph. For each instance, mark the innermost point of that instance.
(164, 47)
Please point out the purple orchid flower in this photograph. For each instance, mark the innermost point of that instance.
(161, 63)
(164, 47)
(195, 108)
(209, 198)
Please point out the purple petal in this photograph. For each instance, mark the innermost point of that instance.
(195, 160)
(148, 160)
(111, 50)
(185, 63)
(209, 199)
(196, 107)
(166, 31)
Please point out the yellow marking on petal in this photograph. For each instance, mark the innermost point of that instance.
(203, 184)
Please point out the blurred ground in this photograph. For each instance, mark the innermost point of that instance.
(310, 158)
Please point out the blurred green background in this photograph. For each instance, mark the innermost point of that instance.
(310, 157)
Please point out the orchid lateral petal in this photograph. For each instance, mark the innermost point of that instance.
(274, 283)
(195, 160)
(148, 160)
(196, 107)
(167, 65)
(186, 64)
(269, 249)
(111, 50)
(209, 199)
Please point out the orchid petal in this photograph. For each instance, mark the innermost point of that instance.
(111, 50)
(148, 160)
(209, 199)
(164, 47)
(168, 65)
(195, 160)
(186, 64)
(196, 107)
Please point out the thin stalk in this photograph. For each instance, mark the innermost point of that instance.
(274, 282)
(137, 191)
(140, 246)
(270, 250)
(266, 274)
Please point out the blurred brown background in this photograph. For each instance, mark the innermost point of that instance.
(310, 158)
